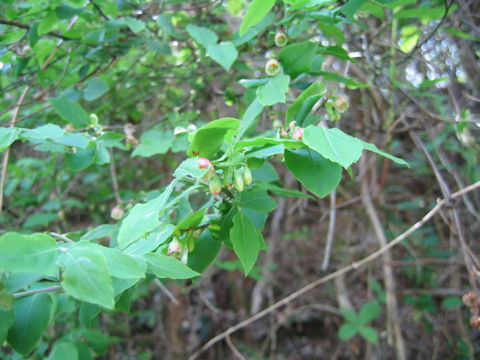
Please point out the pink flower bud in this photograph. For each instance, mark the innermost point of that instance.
(283, 134)
(204, 163)
(175, 248)
(117, 213)
(298, 134)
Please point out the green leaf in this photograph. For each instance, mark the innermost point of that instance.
(351, 83)
(265, 173)
(22, 253)
(451, 302)
(347, 331)
(82, 158)
(317, 174)
(62, 351)
(368, 333)
(257, 200)
(135, 25)
(369, 311)
(278, 190)
(168, 267)
(87, 313)
(99, 232)
(262, 141)
(94, 89)
(224, 53)
(151, 241)
(40, 219)
(455, 32)
(75, 140)
(220, 228)
(245, 238)
(202, 35)
(86, 276)
(143, 218)
(191, 221)
(424, 13)
(8, 318)
(333, 144)
(205, 251)
(47, 23)
(297, 58)
(47, 131)
(32, 315)
(8, 136)
(299, 110)
(259, 219)
(120, 265)
(71, 112)
(64, 11)
(274, 90)
(248, 119)
(336, 51)
(256, 11)
(154, 142)
(6, 300)
(373, 148)
(209, 138)
(351, 7)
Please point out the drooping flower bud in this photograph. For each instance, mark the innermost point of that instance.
(272, 67)
(238, 181)
(277, 124)
(298, 134)
(284, 133)
(93, 119)
(281, 39)
(341, 104)
(117, 213)
(292, 125)
(215, 186)
(175, 248)
(247, 176)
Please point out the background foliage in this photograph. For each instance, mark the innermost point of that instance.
(108, 219)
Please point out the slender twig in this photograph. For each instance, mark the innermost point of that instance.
(100, 11)
(37, 291)
(6, 155)
(333, 275)
(331, 229)
(232, 347)
(62, 237)
(428, 37)
(166, 291)
(393, 321)
(27, 27)
(114, 178)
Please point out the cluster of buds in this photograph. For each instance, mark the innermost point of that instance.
(232, 177)
(471, 300)
(182, 244)
(336, 106)
(293, 131)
